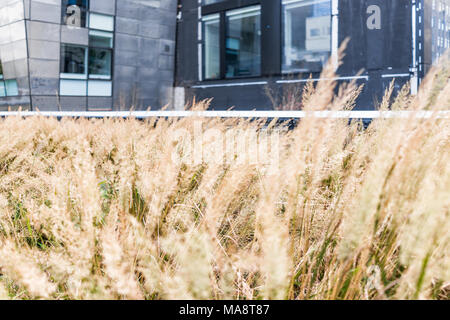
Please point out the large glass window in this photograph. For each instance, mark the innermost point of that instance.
(232, 46)
(211, 51)
(73, 61)
(243, 42)
(2, 89)
(307, 35)
(87, 70)
(7, 87)
(100, 55)
(74, 12)
(11, 87)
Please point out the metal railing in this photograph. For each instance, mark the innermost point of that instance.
(368, 115)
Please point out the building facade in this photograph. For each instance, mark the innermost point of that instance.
(82, 55)
(255, 54)
(78, 55)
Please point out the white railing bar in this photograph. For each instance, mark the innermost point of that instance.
(233, 114)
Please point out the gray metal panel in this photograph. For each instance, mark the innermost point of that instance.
(73, 103)
(144, 53)
(79, 36)
(104, 7)
(14, 52)
(46, 11)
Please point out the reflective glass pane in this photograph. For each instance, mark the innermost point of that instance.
(74, 12)
(100, 62)
(101, 22)
(73, 60)
(11, 88)
(100, 54)
(100, 39)
(243, 42)
(2, 89)
(307, 35)
(205, 2)
(211, 49)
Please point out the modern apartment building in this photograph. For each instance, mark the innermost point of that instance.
(78, 55)
(233, 50)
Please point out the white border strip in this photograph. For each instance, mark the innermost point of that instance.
(236, 114)
(239, 84)
(396, 75)
(322, 79)
(335, 33)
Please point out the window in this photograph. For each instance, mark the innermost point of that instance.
(211, 31)
(243, 42)
(307, 35)
(88, 70)
(232, 43)
(100, 63)
(11, 88)
(73, 61)
(100, 54)
(7, 87)
(74, 13)
(2, 89)
(101, 22)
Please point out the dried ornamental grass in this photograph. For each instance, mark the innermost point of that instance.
(229, 209)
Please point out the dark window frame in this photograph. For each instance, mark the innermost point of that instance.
(227, 5)
(86, 60)
(111, 49)
(272, 31)
(203, 49)
(271, 50)
(282, 37)
(222, 8)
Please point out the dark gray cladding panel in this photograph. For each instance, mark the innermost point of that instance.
(378, 48)
(187, 41)
(397, 36)
(239, 97)
(352, 26)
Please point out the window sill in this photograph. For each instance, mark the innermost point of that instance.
(73, 76)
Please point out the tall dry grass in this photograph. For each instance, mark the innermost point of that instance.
(124, 209)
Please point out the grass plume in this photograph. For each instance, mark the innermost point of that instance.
(127, 209)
